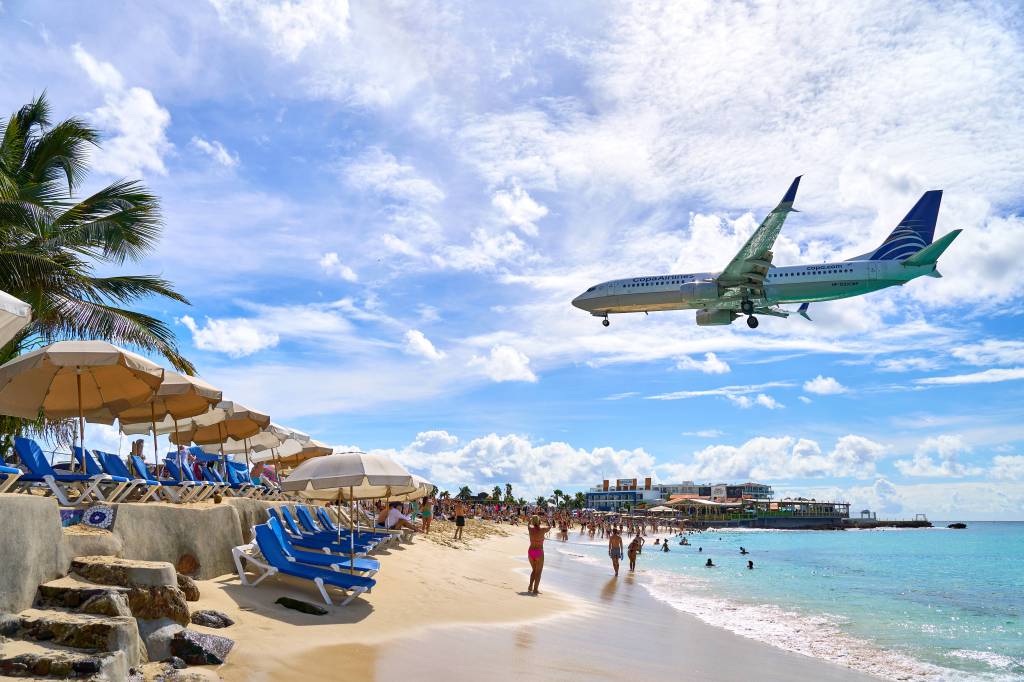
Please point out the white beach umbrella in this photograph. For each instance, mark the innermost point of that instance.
(423, 488)
(14, 315)
(76, 378)
(350, 476)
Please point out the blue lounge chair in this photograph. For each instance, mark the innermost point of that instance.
(327, 542)
(183, 475)
(8, 477)
(117, 488)
(113, 465)
(239, 473)
(266, 553)
(309, 525)
(243, 486)
(336, 562)
(175, 491)
(41, 473)
(327, 524)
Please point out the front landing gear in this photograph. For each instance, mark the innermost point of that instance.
(605, 322)
(752, 322)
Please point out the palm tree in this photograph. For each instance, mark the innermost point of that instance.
(465, 493)
(496, 493)
(579, 501)
(541, 502)
(51, 241)
(557, 495)
(509, 497)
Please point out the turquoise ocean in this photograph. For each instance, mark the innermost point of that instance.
(918, 604)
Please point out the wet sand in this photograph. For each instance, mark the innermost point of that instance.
(477, 621)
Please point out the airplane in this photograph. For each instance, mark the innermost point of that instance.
(750, 285)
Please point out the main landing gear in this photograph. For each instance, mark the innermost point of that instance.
(747, 306)
(752, 322)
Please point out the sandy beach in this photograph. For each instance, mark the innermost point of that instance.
(457, 610)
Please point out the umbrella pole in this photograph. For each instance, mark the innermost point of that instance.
(156, 452)
(81, 420)
(248, 463)
(352, 534)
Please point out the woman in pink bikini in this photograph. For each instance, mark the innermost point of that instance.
(536, 553)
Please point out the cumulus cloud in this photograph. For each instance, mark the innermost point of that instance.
(988, 376)
(761, 399)
(991, 352)
(824, 386)
(532, 468)
(1008, 468)
(332, 265)
(505, 363)
(236, 337)
(781, 458)
(135, 125)
(946, 450)
(709, 365)
(518, 208)
(485, 251)
(381, 172)
(216, 151)
(416, 343)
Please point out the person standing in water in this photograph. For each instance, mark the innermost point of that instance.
(536, 553)
(615, 549)
(633, 550)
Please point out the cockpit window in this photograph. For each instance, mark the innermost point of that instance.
(591, 289)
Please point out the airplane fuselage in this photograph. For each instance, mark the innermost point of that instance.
(789, 284)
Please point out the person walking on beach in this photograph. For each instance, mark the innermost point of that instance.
(615, 550)
(460, 518)
(427, 513)
(632, 551)
(536, 553)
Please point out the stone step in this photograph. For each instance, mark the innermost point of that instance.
(86, 632)
(46, 660)
(112, 570)
(73, 592)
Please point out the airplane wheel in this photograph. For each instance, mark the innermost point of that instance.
(605, 322)
(747, 307)
(752, 322)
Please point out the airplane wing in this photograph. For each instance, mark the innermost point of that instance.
(744, 276)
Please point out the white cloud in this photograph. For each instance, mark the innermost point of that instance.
(134, 124)
(910, 364)
(989, 376)
(216, 151)
(991, 352)
(780, 458)
(947, 448)
(1008, 468)
(518, 208)
(485, 252)
(236, 337)
(418, 344)
(332, 265)
(289, 27)
(380, 172)
(709, 365)
(724, 391)
(805, 400)
(533, 469)
(761, 400)
(705, 433)
(824, 386)
(505, 363)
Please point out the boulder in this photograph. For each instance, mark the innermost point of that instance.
(150, 603)
(107, 604)
(189, 587)
(211, 619)
(111, 570)
(197, 648)
(303, 606)
(187, 564)
(176, 663)
(157, 636)
(83, 631)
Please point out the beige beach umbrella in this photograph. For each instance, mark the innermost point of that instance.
(350, 476)
(227, 420)
(179, 397)
(75, 379)
(14, 315)
(423, 488)
(271, 437)
(291, 452)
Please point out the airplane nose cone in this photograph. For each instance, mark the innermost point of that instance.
(580, 302)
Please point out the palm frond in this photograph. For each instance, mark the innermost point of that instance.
(120, 221)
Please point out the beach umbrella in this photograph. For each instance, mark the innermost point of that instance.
(350, 476)
(76, 378)
(179, 397)
(292, 453)
(423, 488)
(14, 315)
(227, 420)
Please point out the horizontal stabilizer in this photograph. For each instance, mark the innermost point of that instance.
(803, 311)
(929, 255)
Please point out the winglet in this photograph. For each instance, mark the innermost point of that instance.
(791, 192)
(802, 310)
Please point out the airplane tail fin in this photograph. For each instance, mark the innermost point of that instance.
(929, 255)
(914, 232)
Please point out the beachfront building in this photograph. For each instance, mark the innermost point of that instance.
(632, 493)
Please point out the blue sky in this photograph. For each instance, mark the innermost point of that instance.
(380, 213)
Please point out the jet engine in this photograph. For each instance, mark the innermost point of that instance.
(707, 318)
(699, 291)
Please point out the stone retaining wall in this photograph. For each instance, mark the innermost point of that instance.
(34, 549)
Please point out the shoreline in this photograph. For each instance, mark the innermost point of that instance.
(439, 611)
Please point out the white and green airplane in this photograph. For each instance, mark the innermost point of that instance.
(751, 285)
